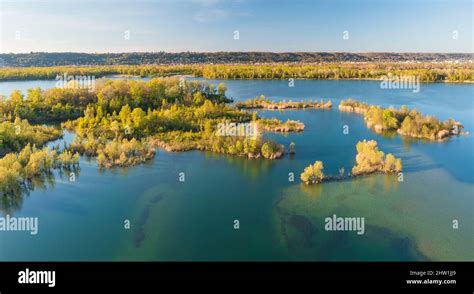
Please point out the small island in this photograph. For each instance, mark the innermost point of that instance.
(275, 125)
(404, 121)
(263, 103)
(120, 124)
(369, 159)
(313, 174)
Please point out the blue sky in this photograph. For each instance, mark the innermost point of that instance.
(210, 25)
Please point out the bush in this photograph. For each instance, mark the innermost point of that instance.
(313, 174)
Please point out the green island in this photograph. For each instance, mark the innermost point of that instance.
(404, 121)
(263, 103)
(187, 120)
(275, 125)
(122, 122)
(369, 159)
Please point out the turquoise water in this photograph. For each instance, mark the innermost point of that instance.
(279, 219)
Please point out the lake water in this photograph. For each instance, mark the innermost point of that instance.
(279, 219)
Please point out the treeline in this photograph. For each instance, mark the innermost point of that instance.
(135, 58)
(426, 72)
(50, 73)
(404, 121)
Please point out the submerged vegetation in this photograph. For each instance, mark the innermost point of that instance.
(406, 122)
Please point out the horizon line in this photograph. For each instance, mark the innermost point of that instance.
(215, 52)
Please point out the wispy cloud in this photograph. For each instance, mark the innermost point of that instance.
(208, 15)
(206, 2)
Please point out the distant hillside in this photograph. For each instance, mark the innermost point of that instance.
(52, 59)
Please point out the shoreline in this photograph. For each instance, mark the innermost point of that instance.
(239, 79)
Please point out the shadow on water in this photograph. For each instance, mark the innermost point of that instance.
(252, 168)
(139, 233)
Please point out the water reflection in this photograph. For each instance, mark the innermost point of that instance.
(13, 201)
(312, 191)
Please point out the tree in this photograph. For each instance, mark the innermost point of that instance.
(221, 89)
(398, 165)
(389, 163)
(313, 174)
(370, 159)
(389, 120)
(341, 172)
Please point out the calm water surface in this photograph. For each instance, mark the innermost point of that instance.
(279, 220)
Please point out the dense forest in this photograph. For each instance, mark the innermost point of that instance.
(70, 58)
(425, 72)
(50, 73)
